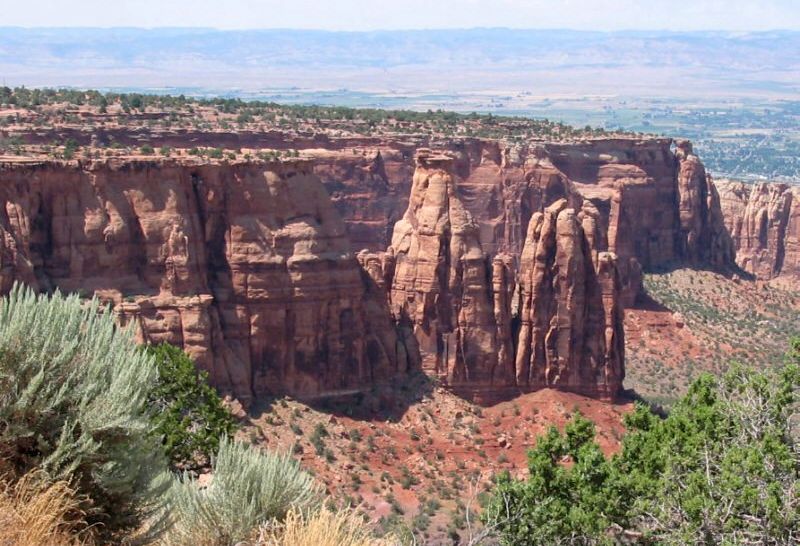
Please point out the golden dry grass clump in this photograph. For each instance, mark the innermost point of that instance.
(323, 528)
(34, 512)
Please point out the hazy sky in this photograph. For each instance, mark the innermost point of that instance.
(409, 14)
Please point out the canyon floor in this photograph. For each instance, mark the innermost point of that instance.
(426, 465)
(692, 321)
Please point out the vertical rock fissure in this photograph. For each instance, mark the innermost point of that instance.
(780, 243)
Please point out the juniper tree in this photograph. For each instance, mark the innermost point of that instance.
(187, 412)
(722, 468)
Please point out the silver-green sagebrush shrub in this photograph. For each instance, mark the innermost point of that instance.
(249, 488)
(73, 392)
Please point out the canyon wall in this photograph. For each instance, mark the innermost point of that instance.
(654, 206)
(246, 266)
(496, 267)
(442, 287)
(764, 222)
(487, 322)
(511, 266)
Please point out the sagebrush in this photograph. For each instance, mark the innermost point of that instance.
(73, 405)
(248, 489)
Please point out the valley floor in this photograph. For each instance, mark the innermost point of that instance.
(694, 321)
(421, 458)
(428, 463)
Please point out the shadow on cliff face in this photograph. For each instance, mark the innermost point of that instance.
(386, 401)
(735, 271)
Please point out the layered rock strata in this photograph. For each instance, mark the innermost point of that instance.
(480, 331)
(703, 236)
(442, 286)
(246, 266)
(508, 267)
(570, 314)
(652, 202)
(764, 222)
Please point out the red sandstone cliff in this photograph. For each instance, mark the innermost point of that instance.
(478, 331)
(246, 266)
(442, 284)
(508, 268)
(652, 206)
(571, 333)
(703, 236)
(764, 222)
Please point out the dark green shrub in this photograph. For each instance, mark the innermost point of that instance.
(722, 468)
(187, 412)
(70, 147)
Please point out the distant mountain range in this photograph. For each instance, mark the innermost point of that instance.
(448, 61)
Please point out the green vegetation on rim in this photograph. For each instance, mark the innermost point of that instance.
(168, 111)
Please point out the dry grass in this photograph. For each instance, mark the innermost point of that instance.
(35, 513)
(323, 528)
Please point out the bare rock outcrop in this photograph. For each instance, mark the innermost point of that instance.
(442, 286)
(370, 190)
(650, 199)
(507, 268)
(571, 334)
(703, 237)
(560, 327)
(764, 222)
(246, 266)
